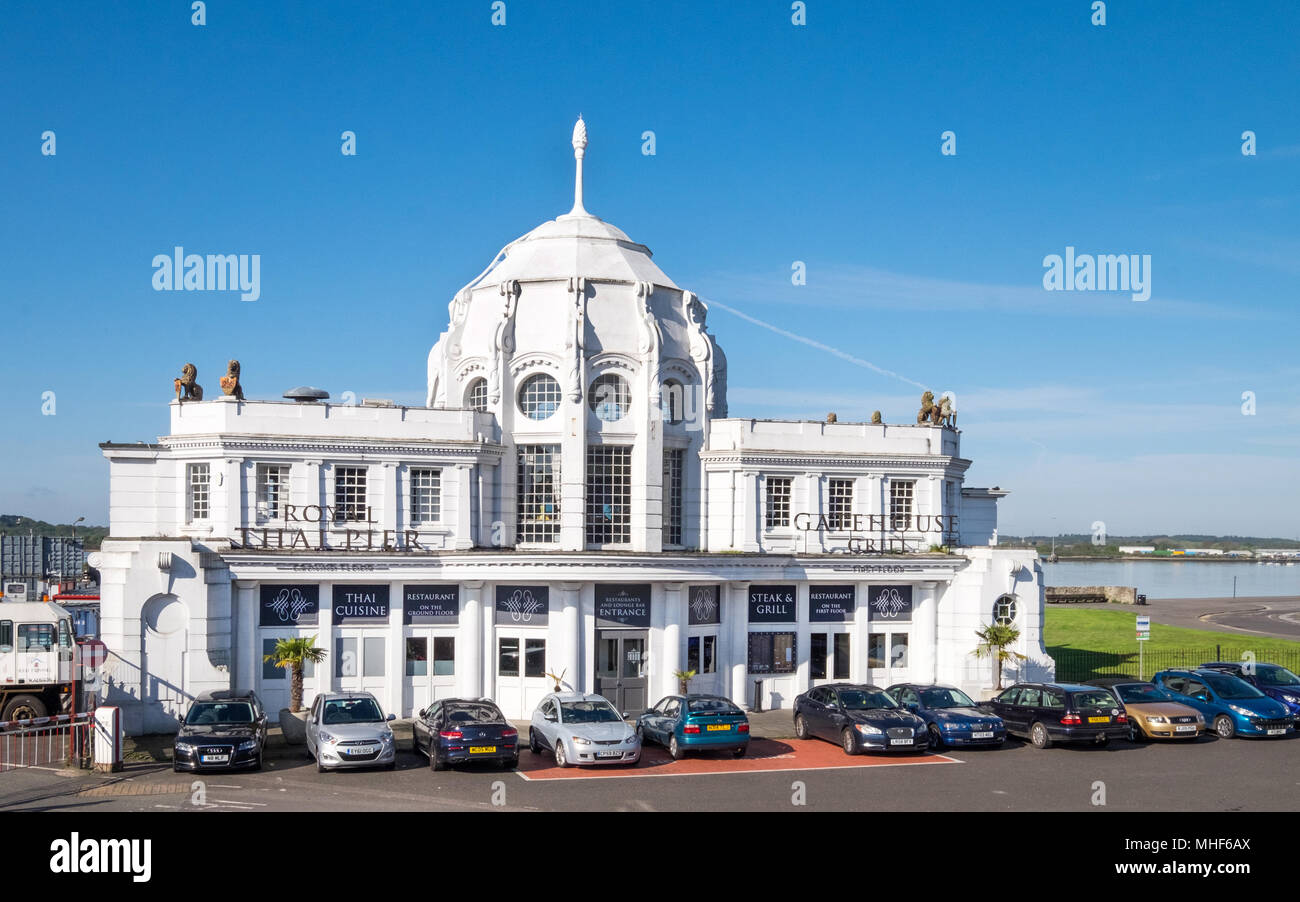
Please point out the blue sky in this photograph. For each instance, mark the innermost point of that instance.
(775, 144)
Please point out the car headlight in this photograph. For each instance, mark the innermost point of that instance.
(1244, 712)
(184, 747)
(867, 729)
(1293, 699)
(247, 745)
(386, 738)
(326, 737)
(578, 740)
(954, 726)
(632, 738)
(1156, 720)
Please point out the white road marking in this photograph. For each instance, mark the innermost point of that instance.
(727, 773)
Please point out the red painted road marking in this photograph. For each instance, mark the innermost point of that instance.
(764, 755)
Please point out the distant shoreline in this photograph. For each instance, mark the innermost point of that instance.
(1181, 559)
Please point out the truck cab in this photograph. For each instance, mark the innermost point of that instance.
(37, 657)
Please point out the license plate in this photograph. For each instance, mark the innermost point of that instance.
(981, 735)
(362, 750)
(1276, 732)
(1186, 729)
(609, 754)
(214, 759)
(717, 726)
(1098, 720)
(482, 749)
(900, 742)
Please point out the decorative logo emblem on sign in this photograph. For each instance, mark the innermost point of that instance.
(521, 605)
(889, 602)
(288, 605)
(703, 605)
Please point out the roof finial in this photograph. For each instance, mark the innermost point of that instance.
(579, 151)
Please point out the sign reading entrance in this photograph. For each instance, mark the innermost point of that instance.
(623, 605)
(831, 604)
(523, 605)
(282, 605)
(893, 603)
(772, 604)
(431, 604)
(703, 607)
(361, 604)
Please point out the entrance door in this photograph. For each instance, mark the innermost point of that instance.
(888, 658)
(521, 672)
(430, 662)
(361, 661)
(829, 657)
(623, 669)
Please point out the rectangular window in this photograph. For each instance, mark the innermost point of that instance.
(375, 648)
(778, 501)
(842, 658)
(693, 653)
(269, 670)
(900, 503)
(701, 654)
(417, 657)
(876, 650)
(350, 495)
(538, 500)
(898, 650)
(534, 657)
(710, 655)
(609, 494)
(949, 506)
(197, 477)
(672, 498)
(35, 637)
(817, 657)
(508, 657)
(6, 635)
(345, 656)
(839, 504)
(771, 653)
(444, 656)
(272, 491)
(426, 496)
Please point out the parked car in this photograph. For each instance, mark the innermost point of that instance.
(457, 730)
(223, 729)
(1155, 713)
(858, 718)
(1045, 713)
(1273, 680)
(687, 723)
(582, 729)
(951, 717)
(349, 729)
(1233, 706)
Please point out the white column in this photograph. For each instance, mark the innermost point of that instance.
(925, 634)
(751, 512)
(246, 647)
(570, 656)
(469, 641)
(738, 615)
(674, 608)
(463, 537)
(389, 513)
(396, 648)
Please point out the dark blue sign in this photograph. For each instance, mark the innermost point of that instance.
(361, 604)
(831, 604)
(772, 604)
(702, 606)
(523, 605)
(284, 605)
(431, 604)
(623, 605)
(889, 603)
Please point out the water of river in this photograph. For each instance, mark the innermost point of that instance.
(1179, 579)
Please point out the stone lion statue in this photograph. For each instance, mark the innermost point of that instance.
(943, 414)
(875, 418)
(230, 382)
(187, 388)
(927, 408)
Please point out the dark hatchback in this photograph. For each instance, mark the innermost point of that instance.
(858, 718)
(223, 730)
(1273, 680)
(1045, 713)
(460, 730)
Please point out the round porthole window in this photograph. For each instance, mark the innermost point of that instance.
(1004, 610)
(539, 397)
(609, 397)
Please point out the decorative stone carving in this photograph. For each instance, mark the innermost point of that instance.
(436, 396)
(503, 341)
(230, 382)
(927, 407)
(651, 341)
(875, 418)
(187, 388)
(573, 343)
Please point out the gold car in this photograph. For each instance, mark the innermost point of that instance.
(1153, 713)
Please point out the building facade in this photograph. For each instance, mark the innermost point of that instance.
(573, 502)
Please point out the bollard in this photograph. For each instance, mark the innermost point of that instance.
(757, 707)
(108, 739)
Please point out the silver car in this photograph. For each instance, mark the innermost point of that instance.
(582, 729)
(348, 729)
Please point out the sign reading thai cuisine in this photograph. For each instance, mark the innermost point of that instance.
(361, 604)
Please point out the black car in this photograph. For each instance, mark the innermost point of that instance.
(458, 730)
(223, 730)
(1045, 713)
(857, 718)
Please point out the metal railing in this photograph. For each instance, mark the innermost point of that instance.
(1078, 665)
(60, 741)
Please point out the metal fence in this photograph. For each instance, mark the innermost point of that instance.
(1078, 665)
(61, 741)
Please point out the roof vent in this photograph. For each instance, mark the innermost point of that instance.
(304, 394)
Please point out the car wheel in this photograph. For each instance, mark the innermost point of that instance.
(176, 768)
(561, 760)
(674, 749)
(1038, 736)
(533, 745)
(320, 768)
(800, 727)
(935, 737)
(24, 707)
(512, 763)
(849, 743)
(391, 765)
(739, 753)
(1102, 741)
(257, 764)
(434, 763)
(1135, 733)
(1224, 728)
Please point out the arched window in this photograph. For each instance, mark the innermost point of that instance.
(672, 400)
(1004, 610)
(476, 395)
(609, 397)
(539, 397)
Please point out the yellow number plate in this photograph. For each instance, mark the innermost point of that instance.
(718, 726)
(1098, 720)
(475, 749)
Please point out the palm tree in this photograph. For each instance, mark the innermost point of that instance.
(291, 654)
(995, 641)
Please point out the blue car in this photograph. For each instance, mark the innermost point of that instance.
(685, 723)
(951, 718)
(1231, 705)
(1275, 681)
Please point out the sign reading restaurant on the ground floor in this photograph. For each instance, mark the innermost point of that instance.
(831, 604)
(772, 604)
(288, 605)
(431, 604)
(623, 605)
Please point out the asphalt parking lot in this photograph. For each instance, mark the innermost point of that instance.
(1207, 775)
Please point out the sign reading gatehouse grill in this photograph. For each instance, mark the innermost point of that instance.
(623, 605)
(523, 605)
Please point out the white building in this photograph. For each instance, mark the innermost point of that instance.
(574, 499)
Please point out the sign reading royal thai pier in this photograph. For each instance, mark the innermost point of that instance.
(322, 530)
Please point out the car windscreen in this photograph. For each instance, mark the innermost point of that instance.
(862, 700)
(351, 710)
(214, 713)
(588, 712)
(1098, 698)
(1272, 675)
(474, 714)
(945, 698)
(1142, 693)
(1229, 686)
(711, 706)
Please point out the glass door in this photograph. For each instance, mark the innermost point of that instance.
(888, 658)
(623, 669)
(521, 666)
(429, 657)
